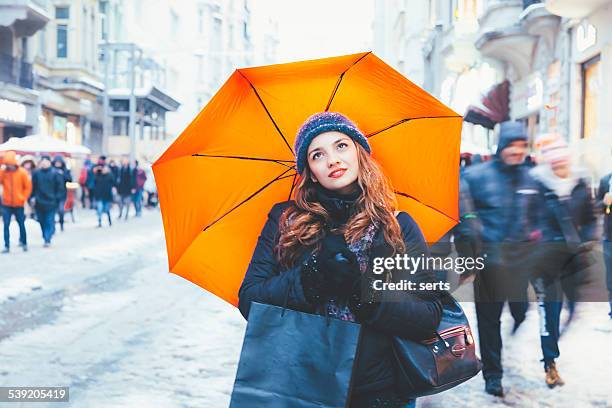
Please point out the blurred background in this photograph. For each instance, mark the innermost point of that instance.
(125, 77)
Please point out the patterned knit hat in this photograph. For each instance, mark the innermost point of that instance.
(321, 123)
(556, 151)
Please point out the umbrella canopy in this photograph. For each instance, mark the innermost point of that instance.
(219, 179)
(43, 144)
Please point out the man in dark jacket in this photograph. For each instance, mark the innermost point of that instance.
(499, 193)
(104, 182)
(125, 186)
(60, 167)
(46, 187)
(604, 202)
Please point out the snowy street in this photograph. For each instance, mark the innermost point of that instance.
(98, 312)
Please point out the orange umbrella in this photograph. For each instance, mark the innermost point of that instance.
(219, 179)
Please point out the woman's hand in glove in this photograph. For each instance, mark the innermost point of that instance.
(338, 265)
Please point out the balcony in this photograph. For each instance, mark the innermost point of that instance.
(25, 16)
(573, 8)
(502, 35)
(16, 72)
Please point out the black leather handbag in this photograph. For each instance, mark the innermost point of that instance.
(438, 364)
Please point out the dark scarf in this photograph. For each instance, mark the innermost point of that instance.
(341, 207)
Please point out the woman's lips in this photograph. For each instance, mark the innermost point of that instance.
(337, 173)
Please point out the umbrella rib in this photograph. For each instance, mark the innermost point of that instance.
(281, 162)
(277, 178)
(331, 98)
(399, 122)
(426, 205)
(292, 186)
(267, 111)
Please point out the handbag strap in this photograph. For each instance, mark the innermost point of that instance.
(566, 222)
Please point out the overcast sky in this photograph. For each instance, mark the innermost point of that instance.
(311, 29)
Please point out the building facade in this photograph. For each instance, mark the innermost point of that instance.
(19, 101)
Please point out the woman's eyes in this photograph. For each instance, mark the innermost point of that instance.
(340, 146)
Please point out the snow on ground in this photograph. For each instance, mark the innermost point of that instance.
(111, 323)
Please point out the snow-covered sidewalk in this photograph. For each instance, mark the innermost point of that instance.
(99, 312)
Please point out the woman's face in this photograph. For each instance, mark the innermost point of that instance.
(333, 162)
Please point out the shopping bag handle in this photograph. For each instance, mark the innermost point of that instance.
(286, 301)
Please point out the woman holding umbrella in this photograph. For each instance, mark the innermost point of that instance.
(318, 251)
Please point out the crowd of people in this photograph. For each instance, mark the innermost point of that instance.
(44, 190)
(539, 224)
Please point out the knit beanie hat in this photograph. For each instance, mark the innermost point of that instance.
(321, 123)
(555, 151)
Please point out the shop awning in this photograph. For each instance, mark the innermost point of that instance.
(492, 109)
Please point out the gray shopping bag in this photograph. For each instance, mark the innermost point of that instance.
(292, 359)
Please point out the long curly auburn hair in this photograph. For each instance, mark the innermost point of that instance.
(302, 226)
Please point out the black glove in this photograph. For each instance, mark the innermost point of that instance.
(339, 266)
(333, 271)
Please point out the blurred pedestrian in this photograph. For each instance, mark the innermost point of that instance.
(104, 182)
(16, 189)
(29, 164)
(125, 186)
(565, 222)
(46, 186)
(498, 192)
(91, 181)
(83, 182)
(59, 165)
(604, 202)
(151, 189)
(139, 179)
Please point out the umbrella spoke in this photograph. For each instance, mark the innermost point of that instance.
(292, 186)
(267, 111)
(331, 98)
(426, 205)
(277, 178)
(281, 162)
(399, 122)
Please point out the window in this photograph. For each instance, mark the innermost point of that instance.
(174, 25)
(200, 20)
(62, 41)
(62, 13)
(103, 20)
(84, 31)
(591, 84)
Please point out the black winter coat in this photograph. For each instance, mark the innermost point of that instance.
(125, 182)
(103, 186)
(418, 318)
(604, 187)
(65, 177)
(579, 206)
(46, 188)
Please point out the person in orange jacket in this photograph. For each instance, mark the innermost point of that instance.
(17, 187)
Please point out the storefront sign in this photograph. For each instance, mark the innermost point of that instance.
(12, 111)
(586, 36)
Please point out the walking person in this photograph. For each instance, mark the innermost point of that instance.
(604, 203)
(124, 187)
(498, 194)
(83, 182)
(566, 223)
(104, 182)
(46, 187)
(59, 165)
(139, 179)
(316, 252)
(16, 189)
